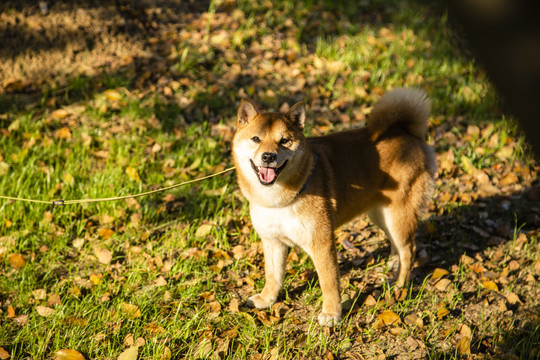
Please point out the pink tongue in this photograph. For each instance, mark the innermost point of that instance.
(267, 174)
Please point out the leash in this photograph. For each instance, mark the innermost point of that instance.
(84, 201)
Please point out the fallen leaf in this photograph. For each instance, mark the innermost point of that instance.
(386, 318)
(132, 174)
(44, 310)
(438, 273)
(465, 331)
(370, 301)
(129, 354)
(490, 285)
(160, 281)
(112, 94)
(16, 260)
(512, 298)
(40, 294)
(4, 354)
(11, 312)
(464, 346)
(22, 320)
(413, 319)
(130, 311)
(68, 354)
(234, 305)
(104, 256)
(53, 300)
(442, 312)
(95, 278)
(204, 230)
(105, 233)
(59, 114)
(63, 133)
(442, 284)
(165, 354)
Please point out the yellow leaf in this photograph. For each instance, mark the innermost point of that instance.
(388, 317)
(204, 230)
(59, 114)
(68, 354)
(490, 285)
(132, 174)
(464, 346)
(129, 354)
(442, 312)
(40, 294)
(11, 312)
(438, 273)
(468, 166)
(112, 94)
(16, 260)
(130, 311)
(105, 233)
(95, 279)
(68, 179)
(8, 223)
(63, 133)
(44, 310)
(4, 354)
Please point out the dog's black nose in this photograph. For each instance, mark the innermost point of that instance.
(268, 157)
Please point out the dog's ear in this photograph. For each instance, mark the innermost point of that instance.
(246, 111)
(297, 114)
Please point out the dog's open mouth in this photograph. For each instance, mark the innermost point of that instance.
(267, 175)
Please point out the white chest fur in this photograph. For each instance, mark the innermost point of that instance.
(286, 224)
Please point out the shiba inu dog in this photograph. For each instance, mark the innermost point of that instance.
(300, 189)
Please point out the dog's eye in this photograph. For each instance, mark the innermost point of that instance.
(256, 139)
(284, 141)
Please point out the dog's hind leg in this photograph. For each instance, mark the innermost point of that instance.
(399, 224)
(275, 256)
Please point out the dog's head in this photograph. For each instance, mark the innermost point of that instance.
(268, 144)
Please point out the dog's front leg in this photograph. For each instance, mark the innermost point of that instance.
(275, 256)
(324, 256)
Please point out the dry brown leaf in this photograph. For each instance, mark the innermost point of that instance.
(508, 179)
(370, 301)
(166, 354)
(10, 312)
(68, 354)
(129, 354)
(512, 298)
(130, 311)
(22, 320)
(160, 281)
(234, 305)
(490, 285)
(413, 319)
(44, 310)
(154, 329)
(105, 233)
(59, 114)
(104, 256)
(442, 312)
(4, 354)
(63, 133)
(53, 300)
(465, 331)
(464, 346)
(238, 252)
(513, 265)
(442, 284)
(438, 273)
(386, 318)
(16, 260)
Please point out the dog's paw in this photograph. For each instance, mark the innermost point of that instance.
(329, 319)
(260, 302)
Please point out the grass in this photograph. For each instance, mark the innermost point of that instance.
(170, 272)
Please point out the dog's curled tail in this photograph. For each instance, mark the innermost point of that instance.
(407, 107)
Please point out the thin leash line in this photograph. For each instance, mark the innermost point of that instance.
(82, 201)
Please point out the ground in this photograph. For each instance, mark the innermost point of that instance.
(102, 100)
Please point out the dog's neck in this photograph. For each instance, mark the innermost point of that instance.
(306, 183)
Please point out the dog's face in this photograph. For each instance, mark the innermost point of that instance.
(266, 145)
